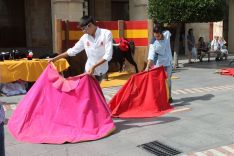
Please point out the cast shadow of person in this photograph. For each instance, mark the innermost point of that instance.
(188, 100)
(128, 123)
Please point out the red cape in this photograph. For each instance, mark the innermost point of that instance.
(144, 95)
(227, 71)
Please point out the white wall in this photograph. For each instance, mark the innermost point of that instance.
(218, 29)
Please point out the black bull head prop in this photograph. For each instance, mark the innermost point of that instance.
(119, 55)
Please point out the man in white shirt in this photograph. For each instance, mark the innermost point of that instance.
(215, 44)
(162, 48)
(97, 44)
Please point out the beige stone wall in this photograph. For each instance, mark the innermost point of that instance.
(218, 29)
(231, 26)
(138, 9)
(199, 30)
(71, 10)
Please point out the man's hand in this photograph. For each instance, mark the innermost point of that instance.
(149, 65)
(147, 68)
(91, 70)
(51, 60)
(63, 55)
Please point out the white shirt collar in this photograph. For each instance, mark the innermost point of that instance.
(97, 32)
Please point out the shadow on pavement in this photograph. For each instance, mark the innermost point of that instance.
(188, 100)
(179, 69)
(211, 65)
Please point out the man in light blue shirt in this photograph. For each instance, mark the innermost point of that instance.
(151, 46)
(162, 48)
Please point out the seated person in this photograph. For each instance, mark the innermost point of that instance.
(215, 46)
(202, 48)
(223, 48)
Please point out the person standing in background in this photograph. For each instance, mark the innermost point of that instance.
(190, 43)
(202, 48)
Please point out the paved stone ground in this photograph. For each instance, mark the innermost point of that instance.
(201, 124)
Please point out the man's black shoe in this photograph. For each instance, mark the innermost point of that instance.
(170, 100)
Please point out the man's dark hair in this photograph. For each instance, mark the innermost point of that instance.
(85, 20)
(158, 29)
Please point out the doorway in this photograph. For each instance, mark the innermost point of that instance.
(12, 24)
(120, 10)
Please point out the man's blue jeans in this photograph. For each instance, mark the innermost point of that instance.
(2, 145)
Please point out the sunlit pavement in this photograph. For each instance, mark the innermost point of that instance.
(201, 123)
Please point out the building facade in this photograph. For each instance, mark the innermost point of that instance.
(23, 23)
(32, 23)
(230, 27)
(108, 10)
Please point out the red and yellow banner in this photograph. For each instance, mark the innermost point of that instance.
(110, 25)
(136, 31)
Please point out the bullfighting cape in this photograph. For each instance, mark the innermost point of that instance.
(144, 95)
(227, 71)
(58, 110)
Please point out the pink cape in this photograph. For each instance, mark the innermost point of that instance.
(144, 95)
(58, 110)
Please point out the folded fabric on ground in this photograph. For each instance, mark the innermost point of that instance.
(144, 95)
(13, 88)
(58, 110)
(227, 71)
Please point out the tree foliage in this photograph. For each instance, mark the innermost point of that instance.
(186, 11)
